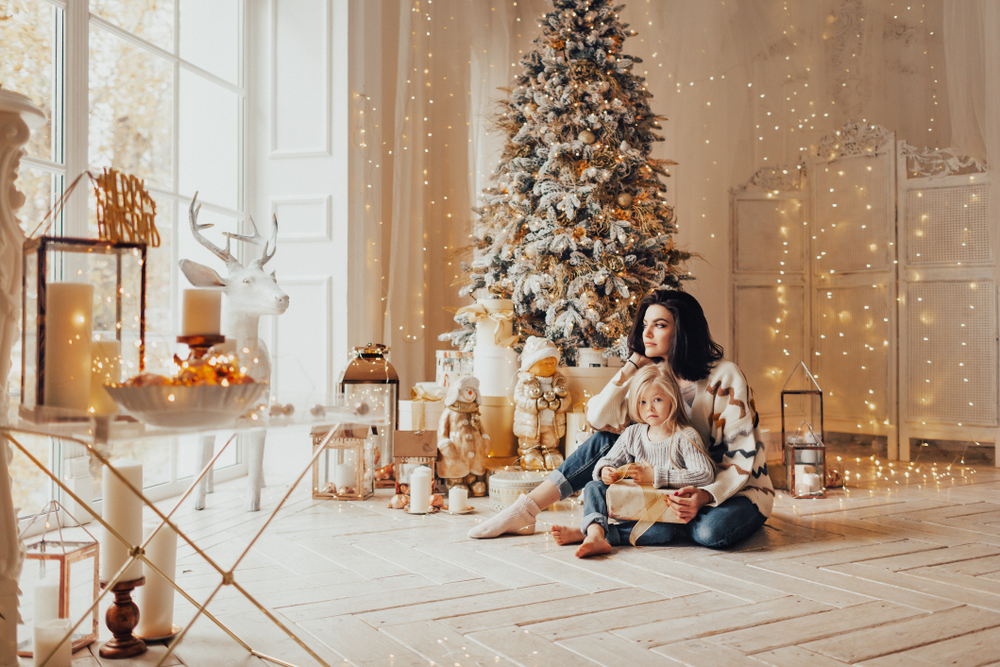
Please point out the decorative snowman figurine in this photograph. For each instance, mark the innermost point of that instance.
(540, 405)
(463, 445)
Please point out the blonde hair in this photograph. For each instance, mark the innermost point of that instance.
(659, 376)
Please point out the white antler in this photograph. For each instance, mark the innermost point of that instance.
(225, 255)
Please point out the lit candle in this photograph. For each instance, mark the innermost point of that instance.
(202, 312)
(46, 602)
(48, 638)
(156, 597)
(123, 512)
(420, 490)
(458, 498)
(105, 368)
(69, 311)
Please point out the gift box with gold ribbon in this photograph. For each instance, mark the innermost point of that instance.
(642, 503)
(423, 411)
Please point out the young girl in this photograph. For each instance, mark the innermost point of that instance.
(663, 450)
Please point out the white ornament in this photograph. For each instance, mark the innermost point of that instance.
(587, 137)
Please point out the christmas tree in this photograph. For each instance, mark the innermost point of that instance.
(577, 228)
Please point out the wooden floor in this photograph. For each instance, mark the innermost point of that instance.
(903, 568)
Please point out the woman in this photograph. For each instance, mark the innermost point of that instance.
(670, 327)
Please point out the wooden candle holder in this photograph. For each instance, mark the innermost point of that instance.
(199, 345)
(121, 619)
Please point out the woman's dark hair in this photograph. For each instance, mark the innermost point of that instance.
(693, 351)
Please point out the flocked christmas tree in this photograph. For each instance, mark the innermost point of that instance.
(577, 227)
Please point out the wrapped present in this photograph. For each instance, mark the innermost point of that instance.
(423, 411)
(642, 503)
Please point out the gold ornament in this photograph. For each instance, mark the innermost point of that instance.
(587, 137)
(624, 200)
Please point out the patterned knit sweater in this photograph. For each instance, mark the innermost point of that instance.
(725, 417)
(677, 462)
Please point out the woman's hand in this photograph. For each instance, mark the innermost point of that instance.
(641, 473)
(609, 475)
(687, 501)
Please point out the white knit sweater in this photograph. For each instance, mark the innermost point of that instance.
(677, 462)
(725, 417)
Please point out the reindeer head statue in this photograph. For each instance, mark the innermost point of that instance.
(250, 292)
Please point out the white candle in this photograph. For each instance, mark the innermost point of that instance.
(123, 512)
(811, 483)
(49, 641)
(105, 368)
(202, 312)
(458, 498)
(156, 597)
(343, 475)
(420, 490)
(69, 311)
(46, 602)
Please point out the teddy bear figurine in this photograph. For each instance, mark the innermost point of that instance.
(463, 445)
(541, 401)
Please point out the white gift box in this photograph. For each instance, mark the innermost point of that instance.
(495, 368)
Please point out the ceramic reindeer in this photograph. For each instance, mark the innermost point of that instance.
(250, 293)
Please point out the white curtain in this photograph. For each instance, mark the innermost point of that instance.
(744, 84)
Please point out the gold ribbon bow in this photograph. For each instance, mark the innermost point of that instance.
(420, 394)
(477, 312)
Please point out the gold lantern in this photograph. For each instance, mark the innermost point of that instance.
(71, 290)
(79, 557)
(345, 470)
(370, 377)
(413, 449)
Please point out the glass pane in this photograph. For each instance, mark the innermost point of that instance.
(208, 146)
(26, 68)
(131, 109)
(152, 20)
(210, 36)
(159, 271)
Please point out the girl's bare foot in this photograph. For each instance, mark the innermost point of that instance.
(564, 535)
(593, 545)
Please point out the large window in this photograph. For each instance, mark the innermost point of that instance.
(161, 86)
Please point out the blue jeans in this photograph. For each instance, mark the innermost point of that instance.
(595, 510)
(735, 519)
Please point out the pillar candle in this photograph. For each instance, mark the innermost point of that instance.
(344, 474)
(105, 368)
(46, 602)
(458, 498)
(156, 597)
(202, 312)
(420, 490)
(123, 511)
(48, 638)
(69, 311)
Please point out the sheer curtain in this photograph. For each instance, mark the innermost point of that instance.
(744, 84)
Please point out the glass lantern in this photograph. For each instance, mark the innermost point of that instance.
(346, 468)
(370, 377)
(805, 463)
(78, 562)
(413, 449)
(74, 290)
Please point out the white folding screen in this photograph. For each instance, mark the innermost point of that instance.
(883, 277)
(852, 261)
(770, 323)
(948, 266)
